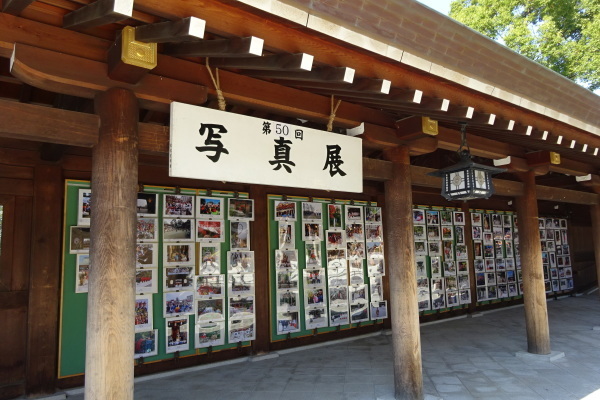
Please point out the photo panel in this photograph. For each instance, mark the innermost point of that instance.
(418, 216)
(461, 252)
(210, 259)
(459, 218)
(147, 229)
(146, 255)
(490, 265)
(432, 217)
(376, 288)
(288, 322)
(481, 293)
(433, 232)
(338, 296)
(424, 300)
(145, 344)
(314, 297)
(353, 213)
(421, 266)
(436, 266)
(209, 334)
(82, 273)
(446, 217)
(452, 298)
(287, 278)
(211, 231)
(178, 229)
(335, 239)
(177, 334)
(356, 271)
(358, 293)
(477, 249)
(376, 265)
(179, 254)
(356, 250)
(447, 232)
(507, 220)
(451, 283)
(420, 248)
(313, 255)
(337, 276)
(464, 282)
(336, 258)
(462, 266)
(449, 267)
(80, 239)
(434, 248)
(286, 259)
(146, 280)
(477, 233)
(312, 211)
(378, 310)
(315, 317)
(338, 315)
(373, 215)
(239, 235)
(209, 286)
(178, 205)
(285, 210)
(359, 312)
(241, 307)
(312, 231)
(438, 300)
(459, 234)
(240, 209)
(240, 284)
(419, 232)
(492, 292)
(476, 219)
(355, 232)
(208, 207)
(239, 262)
(438, 285)
(209, 310)
(286, 235)
(448, 249)
(478, 265)
(178, 278)
(502, 291)
(178, 303)
(84, 209)
(288, 300)
(241, 330)
(480, 278)
(147, 204)
(314, 278)
(464, 296)
(143, 312)
(334, 215)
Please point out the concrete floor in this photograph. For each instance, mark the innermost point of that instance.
(468, 358)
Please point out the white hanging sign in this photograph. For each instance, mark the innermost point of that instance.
(221, 146)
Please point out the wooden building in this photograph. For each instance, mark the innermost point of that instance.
(85, 91)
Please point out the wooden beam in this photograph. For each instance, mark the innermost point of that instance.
(376, 170)
(15, 7)
(414, 128)
(360, 86)
(45, 69)
(449, 139)
(292, 62)
(181, 30)
(233, 47)
(480, 118)
(325, 75)
(459, 111)
(100, 12)
(512, 164)
(566, 196)
(424, 145)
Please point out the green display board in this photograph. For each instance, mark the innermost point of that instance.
(74, 305)
(299, 245)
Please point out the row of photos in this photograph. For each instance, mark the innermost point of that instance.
(333, 287)
(188, 225)
(440, 244)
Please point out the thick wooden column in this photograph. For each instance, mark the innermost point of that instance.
(400, 258)
(44, 298)
(534, 293)
(595, 214)
(111, 297)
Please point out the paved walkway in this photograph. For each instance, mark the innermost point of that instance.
(469, 358)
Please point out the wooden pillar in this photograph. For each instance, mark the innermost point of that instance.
(406, 340)
(595, 214)
(534, 292)
(111, 297)
(260, 245)
(44, 297)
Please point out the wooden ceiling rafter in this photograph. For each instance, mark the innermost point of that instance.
(188, 29)
(318, 74)
(271, 62)
(15, 7)
(97, 13)
(250, 46)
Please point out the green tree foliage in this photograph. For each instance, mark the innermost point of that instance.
(563, 35)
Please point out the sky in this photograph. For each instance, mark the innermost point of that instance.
(442, 6)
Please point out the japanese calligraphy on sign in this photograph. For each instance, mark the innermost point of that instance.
(216, 145)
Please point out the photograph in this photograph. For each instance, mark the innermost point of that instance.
(287, 278)
(375, 265)
(461, 252)
(359, 312)
(449, 268)
(459, 234)
(179, 254)
(354, 213)
(358, 293)
(177, 334)
(448, 249)
(502, 291)
(487, 222)
(316, 317)
(334, 214)
(357, 276)
(424, 301)
(338, 315)
(337, 276)
(287, 322)
(285, 210)
(376, 289)
(355, 232)
(477, 249)
(178, 303)
(240, 209)
(478, 265)
(507, 221)
(462, 266)
(336, 258)
(446, 217)
(314, 297)
(373, 215)
(314, 277)
(147, 229)
(147, 204)
(451, 283)
(312, 231)
(476, 219)
(378, 310)
(335, 239)
(286, 259)
(418, 216)
(241, 330)
(286, 235)
(421, 264)
(240, 284)
(490, 265)
(463, 282)
(434, 248)
(209, 334)
(436, 266)
(438, 300)
(80, 239)
(239, 235)
(464, 296)
(459, 218)
(496, 220)
(146, 280)
(433, 232)
(240, 261)
(143, 312)
(480, 278)
(420, 248)
(492, 292)
(437, 285)
(208, 286)
(338, 296)
(312, 211)
(481, 293)
(84, 209)
(447, 232)
(241, 307)
(210, 259)
(432, 217)
(209, 207)
(178, 204)
(211, 231)
(83, 273)
(146, 255)
(356, 250)
(208, 310)
(177, 229)
(146, 344)
(313, 255)
(287, 300)
(178, 278)
(452, 298)
(477, 233)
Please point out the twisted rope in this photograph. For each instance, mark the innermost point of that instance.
(217, 84)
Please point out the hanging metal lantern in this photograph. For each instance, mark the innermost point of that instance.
(467, 180)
